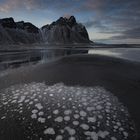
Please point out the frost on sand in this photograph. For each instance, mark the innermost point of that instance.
(64, 112)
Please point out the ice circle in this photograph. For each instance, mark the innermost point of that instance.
(58, 112)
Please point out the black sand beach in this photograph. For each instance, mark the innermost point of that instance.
(119, 77)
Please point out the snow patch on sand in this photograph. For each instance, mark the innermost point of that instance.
(49, 131)
(92, 112)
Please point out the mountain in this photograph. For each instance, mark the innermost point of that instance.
(64, 30)
(12, 32)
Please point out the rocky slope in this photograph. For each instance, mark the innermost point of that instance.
(12, 32)
(63, 30)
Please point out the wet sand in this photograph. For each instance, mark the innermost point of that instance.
(120, 77)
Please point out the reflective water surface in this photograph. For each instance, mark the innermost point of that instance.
(17, 58)
(132, 54)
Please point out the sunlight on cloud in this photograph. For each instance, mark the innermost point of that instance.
(96, 35)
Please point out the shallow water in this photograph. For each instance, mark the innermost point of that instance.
(132, 54)
(17, 58)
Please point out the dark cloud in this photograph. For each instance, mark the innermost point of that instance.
(129, 34)
(132, 33)
(117, 16)
(10, 5)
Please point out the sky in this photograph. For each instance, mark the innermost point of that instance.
(107, 21)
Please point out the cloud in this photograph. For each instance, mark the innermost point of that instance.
(10, 5)
(117, 16)
(133, 33)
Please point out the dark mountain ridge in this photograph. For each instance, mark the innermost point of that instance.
(63, 30)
